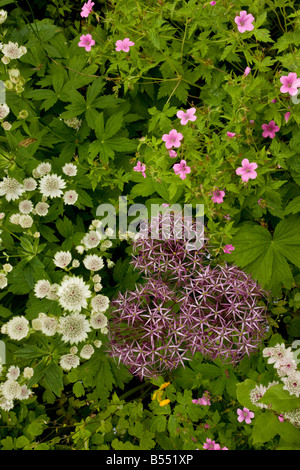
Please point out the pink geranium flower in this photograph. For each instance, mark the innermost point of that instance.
(209, 444)
(87, 42)
(140, 167)
(269, 129)
(218, 196)
(230, 134)
(287, 116)
(228, 248)
(181, 169)
(273, 100)
(245, 414)
(187, 116)
(290, 84)
(213, 3)
(172, 153)
(124, 45)
(247, 71)
(244, 22)
(87, 9)
(172, 139)
(247, 170)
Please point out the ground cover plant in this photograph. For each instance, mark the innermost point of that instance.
(111, 340)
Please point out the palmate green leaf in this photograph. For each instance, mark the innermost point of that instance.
(266, 257)
(293, 206)
(266, 426)
(113, 125)
(280, 399)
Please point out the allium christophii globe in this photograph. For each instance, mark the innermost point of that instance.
(147, 330)
(185, 306)
(164, 247)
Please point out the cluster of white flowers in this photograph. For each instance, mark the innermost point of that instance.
(12, 51)
(6, 268)
(50, 185)
(74, 123)
(285, 364)
(14, 387)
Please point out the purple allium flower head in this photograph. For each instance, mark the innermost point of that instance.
(164, 249)
(147, 330)
(184, 306)
(225, 318)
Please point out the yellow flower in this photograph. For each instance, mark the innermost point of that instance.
(164, 402)
(164, 385)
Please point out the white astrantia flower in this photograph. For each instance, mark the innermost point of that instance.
(91, 239)
(28, 372)
(25, 393)
(49, 326)
(98, 320)
(277, 353)
(4, 110)
(100, 303)
(62, 259)
(69, 169)
(14, 219)
(52, 185)
(70, 197)
(25, 207)
(293, 417)
(13, 373)
(29, 184)
(3, 16)
(41, 208)
(73, 294)
(11, 389)
(52, 295)
(7, 267)
(97, 278)
(42, 288)
(6, 405)
(3, 281)
(97, 287)
(73, 350)
(36, 324)
(285, 366)
(43, 168)
(97, 343)
(292, 383)
(69, 361)
(74, 328)
(25, 221)
(6, 125)
(93, 262)
(80, 249)
(17, 328)
(87, 351)
(13, 51)
(14, 75)
(75, 263)
(105, 245)
(11, 188)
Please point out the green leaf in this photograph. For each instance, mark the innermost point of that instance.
(113, 125)
(262, 35)
(53, 378)
(243, 393)
(266, 426)
(280, 399)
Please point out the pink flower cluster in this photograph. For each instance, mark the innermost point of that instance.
(204, 400)
(244, 22)
(211, 445)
